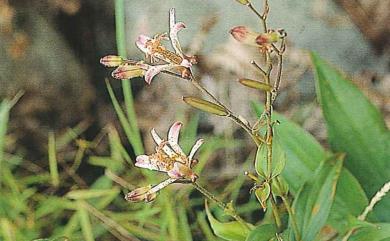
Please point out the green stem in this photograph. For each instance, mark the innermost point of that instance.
(126, 86)
(293, 221)
(227, 208)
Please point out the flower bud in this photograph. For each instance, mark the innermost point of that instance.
(128, 71)
(206, 106)
(262, 193)
(111, 60)
(141, 194)
(244, 35)
(255, 84)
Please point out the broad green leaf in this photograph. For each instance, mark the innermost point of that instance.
(232, 231)
(375, 232)
(314, 201)
(304, 154)
(356, 128)
(262, 233)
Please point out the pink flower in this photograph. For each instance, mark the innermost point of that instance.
(168, 158)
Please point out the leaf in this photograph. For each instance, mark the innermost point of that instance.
(262, 194)
(85, 222)
(357, 128)
(55, 179)
(304, 154)
(131, 134)
(262, 233)
(278, 159)
(314, 201)
(91, 193)
(233, 231)
(375, 232)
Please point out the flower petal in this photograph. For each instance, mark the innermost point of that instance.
(153, 71)
(173, 137)
(151, 163)
(141, 43)
(174, 131)
(159, 142)
(174, 28)
(196, 146)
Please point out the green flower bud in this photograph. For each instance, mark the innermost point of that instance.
(205, 105)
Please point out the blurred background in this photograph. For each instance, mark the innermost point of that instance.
(50, 49)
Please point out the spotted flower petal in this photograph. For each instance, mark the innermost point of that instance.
(174, 28)
(195, 148)
(154, 70)
(141, 43)
(159, 142)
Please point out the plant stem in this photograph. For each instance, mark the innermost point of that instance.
(257, 139)
(291, 213)
(126, 86)
(227, 208)
(275, 212)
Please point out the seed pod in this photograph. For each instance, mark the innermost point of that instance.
(243, 2)
(206, 106)
(255, 84)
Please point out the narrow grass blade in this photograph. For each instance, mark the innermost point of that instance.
(130, 134)
(85, 222)
(55, 180)
(126, 85)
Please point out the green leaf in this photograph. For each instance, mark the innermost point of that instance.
(91, 193)
(85, 222)
(131, 134)
(299, 147)
(53, 166)
(303, 152)
(232, 231)
(375, 232)
(356, 127)
(314, 201)
(278, 159)
(262, 233)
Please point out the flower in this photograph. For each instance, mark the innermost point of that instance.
(172, 61)
(168, 158)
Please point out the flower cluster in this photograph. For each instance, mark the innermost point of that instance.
(168, 158)
(160, 58)
(262, 40)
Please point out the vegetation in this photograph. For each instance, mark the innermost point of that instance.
(296, 188)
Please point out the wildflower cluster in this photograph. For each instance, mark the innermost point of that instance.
(160, 58)
(168, 158)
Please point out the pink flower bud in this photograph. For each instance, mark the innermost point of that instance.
(244, 35)
(141, 194)
(128, 71)
(111, 60)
